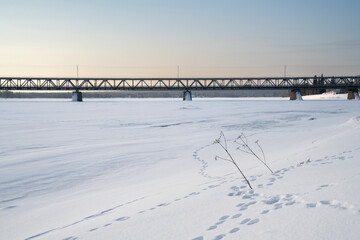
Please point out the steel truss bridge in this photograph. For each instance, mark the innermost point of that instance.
(183, 84)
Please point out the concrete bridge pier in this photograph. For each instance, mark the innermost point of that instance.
(187, 96)
(77, 96)
(295, 95)
(353, 94)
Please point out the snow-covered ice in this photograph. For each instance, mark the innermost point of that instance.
(145, 169)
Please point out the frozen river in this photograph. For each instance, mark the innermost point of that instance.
(145, 169)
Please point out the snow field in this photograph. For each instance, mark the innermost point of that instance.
(145, 169)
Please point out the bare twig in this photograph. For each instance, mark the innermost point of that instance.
(225, 148)
(221, 158)
(244, 147)
(257, 143)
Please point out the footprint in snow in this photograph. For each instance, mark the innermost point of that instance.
(71, 238)
(254, 221)
(234, 230)
(212, 228)
(265, 211)
(311, 205)
(236, 216)
(224, 217)
(335, 204)
(245, 220)
(272, 200)
(243, 208)
(323, 186)
(325, 202)
(248, 196)
(163, 204)
(272, 179)
(221, 236)
(194, 193)
(93, 229)
(122, 219)
(290, 203)
(251, 203)
(9, 207)
(278, 206)
(198, 238)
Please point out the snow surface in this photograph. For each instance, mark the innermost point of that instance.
(145, 169)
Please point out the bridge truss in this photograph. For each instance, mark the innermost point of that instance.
(187, 84)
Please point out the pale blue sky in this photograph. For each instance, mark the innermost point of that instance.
(204, 37)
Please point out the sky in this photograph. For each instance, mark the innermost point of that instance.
(205, 38)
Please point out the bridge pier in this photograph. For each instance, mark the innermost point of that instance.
(353, 94)
(77, 96)
(295, 95)
(187, 96)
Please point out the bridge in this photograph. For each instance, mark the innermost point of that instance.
(294, 84)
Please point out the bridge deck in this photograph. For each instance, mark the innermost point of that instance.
(11, 83)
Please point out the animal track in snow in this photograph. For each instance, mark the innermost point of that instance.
(245, 221)
(219, 223)
(163, 204)
(275, 202)
(236, 216)
(221, 236)
(254, 221)
(311, 205)
(234, 230)
(194, 193)
(121, 219)
(198, 238)
(323, 186)
(272, 200)
(71, 238)
(212, 228)
(204, 164)
(331, 203)
(224, 217)
(265, 211)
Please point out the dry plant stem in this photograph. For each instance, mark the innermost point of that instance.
(257, 143)
(233, 161)
(250, 151)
